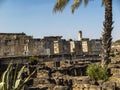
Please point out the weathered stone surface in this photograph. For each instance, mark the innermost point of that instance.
(108, 85)
(94, 87)
(60, 88)
(42, 74)
(85, 87)
(115, 71)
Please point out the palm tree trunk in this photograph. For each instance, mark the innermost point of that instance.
(106, 36)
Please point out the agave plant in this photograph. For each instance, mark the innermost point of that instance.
(12, 78)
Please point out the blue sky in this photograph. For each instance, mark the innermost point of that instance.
(35, 18)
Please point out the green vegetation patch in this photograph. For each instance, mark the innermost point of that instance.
(96, 72)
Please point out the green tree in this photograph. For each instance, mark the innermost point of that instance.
(106, 36)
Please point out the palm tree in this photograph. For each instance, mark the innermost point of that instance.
(106, 36)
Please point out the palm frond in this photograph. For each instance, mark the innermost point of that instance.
(85, 2)
(75, 5)
(103, 2)
(60, 5)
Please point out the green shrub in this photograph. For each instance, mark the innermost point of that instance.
(97, 72)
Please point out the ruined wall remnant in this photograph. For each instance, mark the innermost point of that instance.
(13, 44)
(20, 44)
(85, 45)
(96, 46)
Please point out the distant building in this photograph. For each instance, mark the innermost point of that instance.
(20, 44)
